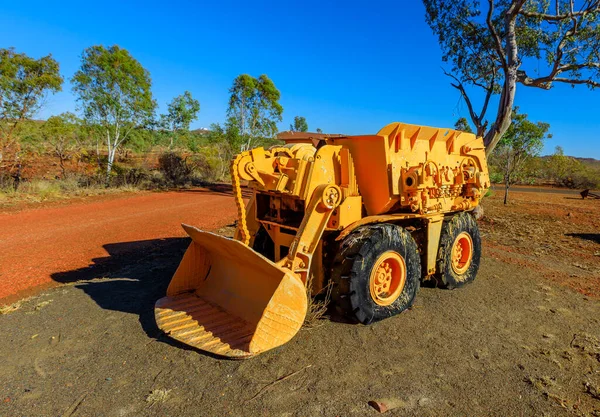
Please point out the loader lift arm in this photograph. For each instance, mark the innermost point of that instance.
(325, 199)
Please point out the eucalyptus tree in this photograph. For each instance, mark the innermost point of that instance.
(522, 141)
(463, 125)
(299, 124)
(114, 92)
(25, 82)
(182, 111)
(254, 109)
(63, 134)
(492, 46)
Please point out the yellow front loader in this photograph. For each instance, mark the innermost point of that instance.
(372, 215)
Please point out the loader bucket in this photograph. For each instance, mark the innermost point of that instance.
(229, 300)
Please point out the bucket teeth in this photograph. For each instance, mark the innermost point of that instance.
(219, 331)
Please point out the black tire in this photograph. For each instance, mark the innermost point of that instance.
(447, 275)
(356, 258)
(263, 244)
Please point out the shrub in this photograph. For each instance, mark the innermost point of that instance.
(496, 177)
(175, 168)
(129, 177)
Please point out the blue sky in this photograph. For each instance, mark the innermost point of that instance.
(349, 67)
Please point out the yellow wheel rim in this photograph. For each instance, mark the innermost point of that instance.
(388, 277)
(462, 253)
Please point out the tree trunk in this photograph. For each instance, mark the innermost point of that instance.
(109, 165)
(506, 187)
(17, 176)
(62, 166)
(509, 88)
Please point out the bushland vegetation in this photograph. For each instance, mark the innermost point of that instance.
(117, 140)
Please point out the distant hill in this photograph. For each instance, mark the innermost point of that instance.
(591, 162)
(586, 161)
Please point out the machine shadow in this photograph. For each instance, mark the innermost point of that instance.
(131, 278)
(134, 275)
(593, 237)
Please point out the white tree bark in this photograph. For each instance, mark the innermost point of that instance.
(509, 88)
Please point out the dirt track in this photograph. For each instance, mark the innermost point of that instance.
(37, 245)
(523, 339)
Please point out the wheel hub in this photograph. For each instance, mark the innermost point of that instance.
(388, 277)
(462, 253)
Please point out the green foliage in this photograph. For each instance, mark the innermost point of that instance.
(182, 111)
(30, 138)
(24, 83)
(113, 90)
(570, 172)
(142, 140)
(299, 125)
(522, 141)
(467, 45)
(494, 46)
(561, 165)
(462, 124)
(254, 109)
(62, 134)
(229, 137)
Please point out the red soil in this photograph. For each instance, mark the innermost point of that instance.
(37, 244)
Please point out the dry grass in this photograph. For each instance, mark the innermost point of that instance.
(10, 308)
(317, 305)
(42, 304)
(158, 396)
(38, 191)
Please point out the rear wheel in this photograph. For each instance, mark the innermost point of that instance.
(376, 273)
(459, 253)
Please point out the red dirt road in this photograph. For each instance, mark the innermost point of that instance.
(37, 243)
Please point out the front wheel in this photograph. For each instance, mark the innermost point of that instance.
(376, 273)
(459, 252)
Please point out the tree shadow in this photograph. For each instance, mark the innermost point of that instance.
(593, 237)
(131, 279)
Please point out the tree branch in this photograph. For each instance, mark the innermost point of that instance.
(591, 83)
(495, 36)
(592, 8)
(474, 117)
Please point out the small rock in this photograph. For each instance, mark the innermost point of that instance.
(547, 336)
(480, 354)
(386, 404)
(424, 402)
